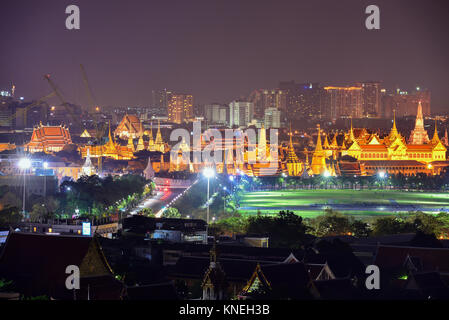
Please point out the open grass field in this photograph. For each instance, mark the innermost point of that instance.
(359, 203)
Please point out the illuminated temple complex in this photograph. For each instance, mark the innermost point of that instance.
(355, 152)
(391, 154)
(112, 149)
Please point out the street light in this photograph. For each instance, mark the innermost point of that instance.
(24, 164)
(224, 201)
(208, 173)
(45, 165)
(382, 175)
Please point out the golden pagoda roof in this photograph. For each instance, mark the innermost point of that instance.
(291, 155)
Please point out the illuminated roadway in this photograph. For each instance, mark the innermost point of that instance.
(159, 200)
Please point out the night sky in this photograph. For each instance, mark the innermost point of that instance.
(220, 50)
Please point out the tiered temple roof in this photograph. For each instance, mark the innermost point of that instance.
(129, 126)
(49, 139)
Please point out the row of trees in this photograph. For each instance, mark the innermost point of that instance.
(97, 197)
(419, 181)
(286, 229)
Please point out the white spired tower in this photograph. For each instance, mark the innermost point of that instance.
(419, 134)
(88, 168)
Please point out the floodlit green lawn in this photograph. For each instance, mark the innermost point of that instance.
(310, 203)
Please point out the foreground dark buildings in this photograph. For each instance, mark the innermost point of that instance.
(138, 268)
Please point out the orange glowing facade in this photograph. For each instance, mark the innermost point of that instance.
(130, 126)
(390, 154)
(48, 139)
(180, 108)
(111, 149)
(345, 101)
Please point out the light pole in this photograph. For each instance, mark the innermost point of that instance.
(208, 173)
(224, 202)
(382, 175)
(24, 164)
(45, 164)
(326, 175)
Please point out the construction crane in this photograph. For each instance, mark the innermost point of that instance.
(38, 102)
(90, 97)
(99, 129)
(61, 98)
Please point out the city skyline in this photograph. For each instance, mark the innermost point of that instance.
(219, 52)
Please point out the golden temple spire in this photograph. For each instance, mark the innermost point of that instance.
(151, 141)
(334, 143)
(319, 147)
(435, 138)
(109, 135)
(291, 155)
(326, 142)
(318, 165)
(151, 133)
(351, 133)
(394, 129)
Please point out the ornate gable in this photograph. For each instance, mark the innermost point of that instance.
(374, 139)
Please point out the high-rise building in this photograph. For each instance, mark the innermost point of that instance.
(371, 99)
(7, 110)
(216, 113)
(344, 102)
(264, 99)
(180, 107)
(272, 118)
(404, 103)
(159, 102)
(304, 100)
(240, 113)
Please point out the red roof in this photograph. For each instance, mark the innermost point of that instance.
(419, 147)
(371, 147)
(49, 137)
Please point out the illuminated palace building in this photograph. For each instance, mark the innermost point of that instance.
(391, 154)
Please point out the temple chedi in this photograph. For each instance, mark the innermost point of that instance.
(159, 143)
(88, 168)
(318, 165)
(294, 166)
(419, 134)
